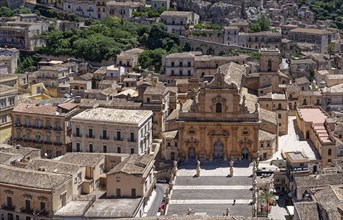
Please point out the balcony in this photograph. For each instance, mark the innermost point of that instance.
(7, 207)
(118, 138)
(58, 143)
(18, 125)
(58, 128)
(77, 135)
(37, 141)
(90, 136)
(26, 210)
(131, 140)
(47, 142)
(42, 212)
(104, 137)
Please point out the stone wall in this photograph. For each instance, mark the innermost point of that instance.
(208, 47)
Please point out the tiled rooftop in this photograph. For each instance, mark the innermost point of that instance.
(53, 166)
(35, 109)
(134, 164)
(29, 178)
(83, 159)
(114, 115)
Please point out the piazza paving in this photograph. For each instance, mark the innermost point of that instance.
(214, 191)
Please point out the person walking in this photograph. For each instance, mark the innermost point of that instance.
(234, 202)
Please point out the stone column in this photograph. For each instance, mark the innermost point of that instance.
(235, 147)
(255, 142)
(202, 138)
(225, 149)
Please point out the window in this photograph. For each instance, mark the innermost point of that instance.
(133, 193)
(132, 150)
(181, 64)
(132, 137)
(9, 201)
(172, 64)
(245, 132)
(279, 115)
(189, 64)
(42, 206)
(118, 150)
(27, 204)
(4, 119)
(269, 65)
(11, 100)
(78, 148)
(118, 179)
(218, 107)
(180, 72)
(329, 152)
(189, 73)
(279, 106)
(10, 216)
(90, 132)
(3, 103)
(90, 147)
(58, 139)
(118, 135)
(104, 134)
(104, 149)
(77, 132)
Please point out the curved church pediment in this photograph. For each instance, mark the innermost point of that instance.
(218, 133)
(219, 82)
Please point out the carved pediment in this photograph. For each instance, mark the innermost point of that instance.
(218, 82)
(192, 141)
(218, 133)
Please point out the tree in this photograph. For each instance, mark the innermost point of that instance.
(152, 59)
(6, 12)
(187, 47)
(262, 24)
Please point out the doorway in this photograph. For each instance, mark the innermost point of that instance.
(191, 153)
(245, 154)
(218, 150)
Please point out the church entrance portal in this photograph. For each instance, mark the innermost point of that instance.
(218, 150)
(245, 154)
(191, 153)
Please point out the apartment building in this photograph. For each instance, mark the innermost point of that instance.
(156, 99)
(156, 4)
(8, 100)
(299, 164)
(123, 10)
(207, 65)
(79, 87)
(50, 76)
(112, 130)
(76, 171)
(132, 178)
(316, 126)
(129, 58)
(10, 57)
(179, 64)
(179, 21)
(264, 39)
(43, 126)
(22, 35)
(28, 194)
(319, 37)
(84, 8)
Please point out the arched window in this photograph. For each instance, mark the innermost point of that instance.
(329, 152)
(218, 107)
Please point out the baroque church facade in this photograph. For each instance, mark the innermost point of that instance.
(217, 123)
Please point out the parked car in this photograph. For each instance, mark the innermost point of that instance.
(162, 180)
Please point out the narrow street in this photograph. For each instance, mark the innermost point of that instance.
(157, 198)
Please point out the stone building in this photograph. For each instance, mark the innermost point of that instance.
(132, 178)
(319, 37)
(50, 76)
(22, 35)
(8, 100)
(129, 58)
(179, 64)
(27, 194)
(265, 39)
(218, 122)
(112, 131)
(10, 57)
(123, 10)
(178, 21)
(277, 103)
(156, 4)
(316, 126)
(43, 126)
(84, 8)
